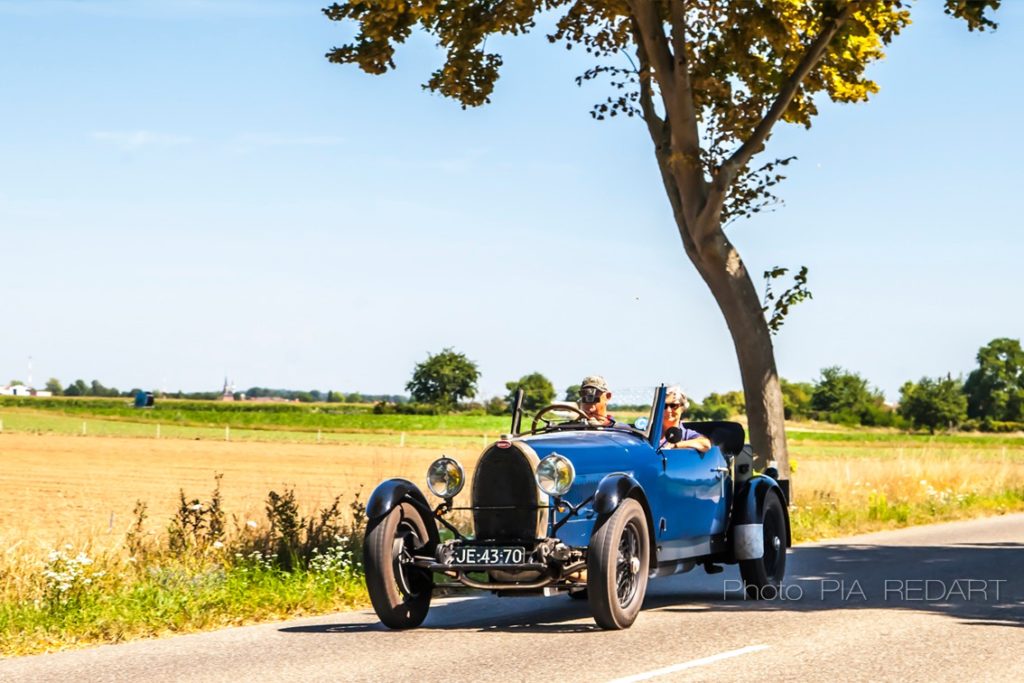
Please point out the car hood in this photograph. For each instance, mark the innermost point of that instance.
(592, 452)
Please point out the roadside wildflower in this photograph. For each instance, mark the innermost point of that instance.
(255, 562)
(336, 563)
(67, 577)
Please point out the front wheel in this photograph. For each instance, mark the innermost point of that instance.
(618, 560)
(399, 591)
(763, 577)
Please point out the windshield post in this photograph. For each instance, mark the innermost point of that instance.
(517, 412)
(657, 414)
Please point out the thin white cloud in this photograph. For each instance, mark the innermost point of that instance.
(264, 140)
(468, 161)
(137, 139)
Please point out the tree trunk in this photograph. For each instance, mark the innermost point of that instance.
(720, 265)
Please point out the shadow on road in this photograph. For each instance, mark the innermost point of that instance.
(979, 584)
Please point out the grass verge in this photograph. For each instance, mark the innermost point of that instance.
(825, 517)
(196, 575)
(171, 599)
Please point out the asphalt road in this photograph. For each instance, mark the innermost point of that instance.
(936, 603)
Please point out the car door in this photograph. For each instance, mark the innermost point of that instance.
(694, 493)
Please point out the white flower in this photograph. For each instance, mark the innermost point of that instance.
(217, 545)
(251, 524)
(197, 507)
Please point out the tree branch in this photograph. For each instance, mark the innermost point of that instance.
(727, 172)
(661, 135)
(649, 32)
(684, 90)
(688, 137)
(673, 79)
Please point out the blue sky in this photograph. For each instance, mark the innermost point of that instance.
(189, 190)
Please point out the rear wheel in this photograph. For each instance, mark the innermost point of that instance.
(763, 577)
(618, 560)
(399, 591)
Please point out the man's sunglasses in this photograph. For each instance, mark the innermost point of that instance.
(674, 405)
(590, 394)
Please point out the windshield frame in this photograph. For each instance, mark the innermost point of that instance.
(650, 433)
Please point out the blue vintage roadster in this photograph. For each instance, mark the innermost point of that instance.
(570, 507)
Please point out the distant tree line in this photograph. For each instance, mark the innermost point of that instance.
(990, 399)
(80, 388)
(96, 388)
(317, 396)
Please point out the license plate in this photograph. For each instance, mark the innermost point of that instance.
(473, 554)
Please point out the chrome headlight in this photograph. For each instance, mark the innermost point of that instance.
(555, 475)
(445, 477)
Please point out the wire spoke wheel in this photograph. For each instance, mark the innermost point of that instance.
(406, 542)
(618, 562)
(400, 591)
(625, 572)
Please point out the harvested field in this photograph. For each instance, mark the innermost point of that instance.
(81, 490)
(57, 489)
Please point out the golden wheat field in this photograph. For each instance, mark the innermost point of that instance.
(81, 490)
(898, 469)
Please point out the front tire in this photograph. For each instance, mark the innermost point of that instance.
(400, 592)
(762, 577)
(618, 562)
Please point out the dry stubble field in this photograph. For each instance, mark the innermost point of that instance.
(81, 490)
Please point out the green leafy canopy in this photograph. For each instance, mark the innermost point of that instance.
(738, 55)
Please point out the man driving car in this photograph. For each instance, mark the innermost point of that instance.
(594, 397)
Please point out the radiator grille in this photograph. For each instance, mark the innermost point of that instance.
(505, 477)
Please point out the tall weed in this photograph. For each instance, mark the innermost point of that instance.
(197, 574)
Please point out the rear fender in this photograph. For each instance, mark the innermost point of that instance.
(611, 491)
(748, 508)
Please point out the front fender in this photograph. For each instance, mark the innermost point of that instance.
(748, 509)
(389, 494)
(612, 490)
(615, 488)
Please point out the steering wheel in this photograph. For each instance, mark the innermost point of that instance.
(555, 407)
